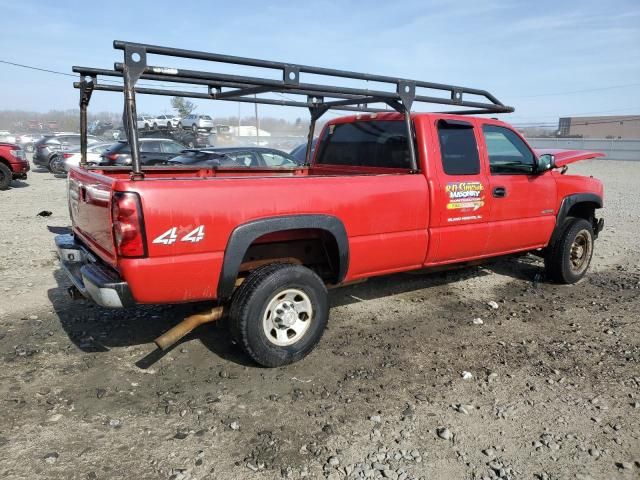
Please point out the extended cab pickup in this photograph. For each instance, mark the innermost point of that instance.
(382, 192)
(267, 242)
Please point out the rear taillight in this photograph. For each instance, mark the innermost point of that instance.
(128, 225)
(67, 155)
(111, 156)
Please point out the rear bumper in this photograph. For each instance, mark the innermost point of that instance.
(93, 279)
(20, 169)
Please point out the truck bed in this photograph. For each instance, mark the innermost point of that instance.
(220, 200)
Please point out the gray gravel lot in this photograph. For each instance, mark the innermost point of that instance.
(552, 389)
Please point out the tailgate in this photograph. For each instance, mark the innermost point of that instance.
(90, 210)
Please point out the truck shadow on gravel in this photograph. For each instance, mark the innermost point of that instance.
(94, 329)
(19, 184)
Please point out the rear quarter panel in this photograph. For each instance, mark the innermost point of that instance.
(385, 217)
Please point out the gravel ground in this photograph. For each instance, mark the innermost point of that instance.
(405, 384)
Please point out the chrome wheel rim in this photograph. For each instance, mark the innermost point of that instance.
(287, 317)
(580, 252)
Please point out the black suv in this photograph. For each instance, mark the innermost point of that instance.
(153, 151)
(45, 148)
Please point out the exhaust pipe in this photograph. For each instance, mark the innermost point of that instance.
(170, 337)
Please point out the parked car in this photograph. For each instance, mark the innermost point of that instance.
(146, 122)
(49, 145)
(300, 152)
(197, 122)
(192, 139)
(258, 157)
(204, 158)
(153, 151)
(6, 136)
(99, 127)
(166, 121)
(28, 140)
(189, 138)
(62, 162)
(13, 164)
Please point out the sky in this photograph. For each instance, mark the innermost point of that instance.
(545, 58)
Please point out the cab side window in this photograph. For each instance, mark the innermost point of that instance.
(508, 154)
(458, 148)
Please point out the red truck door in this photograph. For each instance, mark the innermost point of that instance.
(460, 214)
(523, 202)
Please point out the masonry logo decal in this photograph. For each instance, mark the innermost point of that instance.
(465, 195)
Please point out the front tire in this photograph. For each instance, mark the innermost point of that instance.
(56, 165)
(194, 127)
(569, 257)
(279, 313)
(5, 177)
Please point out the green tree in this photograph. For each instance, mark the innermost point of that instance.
(183, 106)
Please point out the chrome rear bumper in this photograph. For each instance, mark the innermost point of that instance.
(93, 279)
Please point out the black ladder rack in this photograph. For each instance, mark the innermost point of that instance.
(401, 95)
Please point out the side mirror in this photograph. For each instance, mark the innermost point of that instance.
(546, 162)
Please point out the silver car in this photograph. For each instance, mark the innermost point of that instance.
(197, 122)
(71, 158)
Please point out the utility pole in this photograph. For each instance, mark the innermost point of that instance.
(238, 132)
(257, 122)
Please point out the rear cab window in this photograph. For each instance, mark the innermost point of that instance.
(458, 148)
(376, 143)
(464, 182)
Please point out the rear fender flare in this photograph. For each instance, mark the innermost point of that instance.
(244, 235)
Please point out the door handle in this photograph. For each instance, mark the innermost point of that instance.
(499, 192)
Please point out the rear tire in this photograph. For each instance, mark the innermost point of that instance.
(5, 177)
(568, 259)
(279, 313)
(194, 127)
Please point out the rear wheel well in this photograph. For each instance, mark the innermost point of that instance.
(316, 249)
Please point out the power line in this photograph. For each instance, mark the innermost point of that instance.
(31, 67)
(36, 68)
(570, 92)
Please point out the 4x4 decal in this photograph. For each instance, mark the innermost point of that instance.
(171, 236)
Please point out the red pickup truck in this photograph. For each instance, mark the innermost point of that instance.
(13, 164)
(266, 243)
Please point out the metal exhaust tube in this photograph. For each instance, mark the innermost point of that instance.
(172, 336)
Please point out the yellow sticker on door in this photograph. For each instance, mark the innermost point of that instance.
(465, 195)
